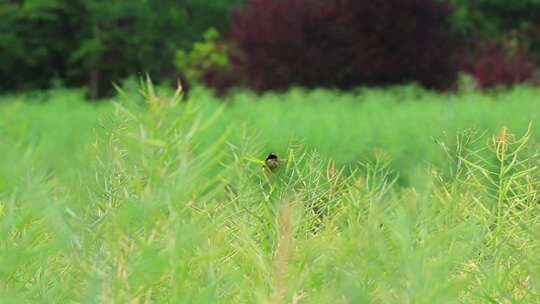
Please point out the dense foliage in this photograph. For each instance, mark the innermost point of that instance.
(513, 22)
(210, 53)
(344, 126)
(160, 205)
(343, 43)
(271, 44)
(494, 65)
(94, 43)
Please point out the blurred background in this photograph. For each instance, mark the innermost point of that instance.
(346, 77)
(267, 44)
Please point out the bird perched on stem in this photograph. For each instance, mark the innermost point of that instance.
(272, 162)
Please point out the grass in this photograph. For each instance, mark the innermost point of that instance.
(150, 200)
(347, 128)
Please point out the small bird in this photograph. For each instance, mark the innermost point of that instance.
(272, 162)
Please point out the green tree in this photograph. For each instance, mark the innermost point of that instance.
(34, 37)
(510, 22)
(95, 42)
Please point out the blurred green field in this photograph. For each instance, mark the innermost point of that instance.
(348, 128)
(152, 200)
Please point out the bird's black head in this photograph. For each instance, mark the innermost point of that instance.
(271, 156)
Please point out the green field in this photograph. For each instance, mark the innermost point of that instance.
(383, 196)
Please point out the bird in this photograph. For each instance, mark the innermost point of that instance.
(272, 162)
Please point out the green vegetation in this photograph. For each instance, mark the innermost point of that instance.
(152, 200)
(346, 127)
(514, 23)
(94, 42)
(210, 53)
(379, 195)
(51, 43)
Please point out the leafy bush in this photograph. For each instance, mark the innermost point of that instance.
(221, 80)
(501, 20)
(495, 65)
(34, 41)
(342, 43)
(94, 42)
(211, 53)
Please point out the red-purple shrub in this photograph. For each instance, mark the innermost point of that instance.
(342, 43)
(222, 80)
(494, 65)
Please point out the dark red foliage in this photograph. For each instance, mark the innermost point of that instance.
(494, 65)
(221, 80)
(342, 43)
